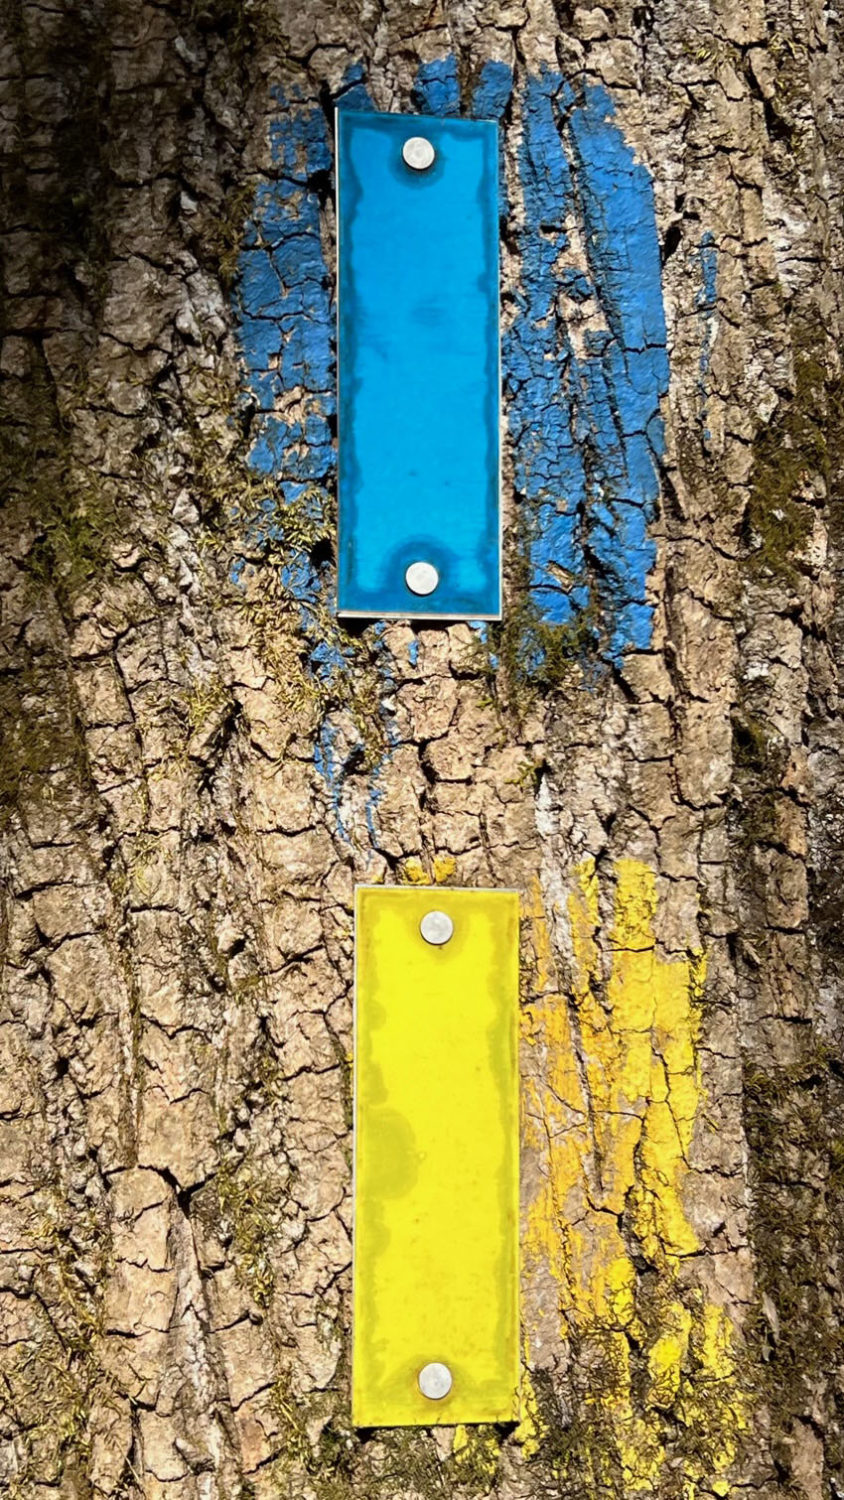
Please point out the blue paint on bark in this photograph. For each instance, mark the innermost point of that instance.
(437, 88)
(353, 93)
(492, 94)
(285, 323)
(584, 413)
(493, 91)
(331, 769)
(584, 357)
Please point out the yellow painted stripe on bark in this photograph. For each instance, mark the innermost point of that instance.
(612, 1124)
(436, 1157)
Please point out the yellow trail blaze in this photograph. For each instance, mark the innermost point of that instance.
(612, 1123)
(436, 1157)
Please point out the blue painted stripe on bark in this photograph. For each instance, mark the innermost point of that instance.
(705, 299)
(492, 94)
(283, 309)
(586, 427)
(493, 91)
(538, 361)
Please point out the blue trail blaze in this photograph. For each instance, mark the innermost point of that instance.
(419, 390)
(585, 361)
(585, 410)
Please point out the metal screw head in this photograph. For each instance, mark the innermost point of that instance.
(418, 153)
(435, 1381)
(436, 927)
(421, 578)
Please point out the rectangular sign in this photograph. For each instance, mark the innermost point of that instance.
(436, 1328)
(419, 377)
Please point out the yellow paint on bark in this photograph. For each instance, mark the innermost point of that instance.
(611, 1124)
(442, 868)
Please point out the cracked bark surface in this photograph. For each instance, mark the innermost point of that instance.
(178, 869)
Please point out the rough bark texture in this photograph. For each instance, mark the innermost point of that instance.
(198, 764)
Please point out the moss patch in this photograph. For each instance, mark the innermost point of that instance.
(53, 1378)
(244, 1213)
(42, 748)
(793, 1122)
(789, 453)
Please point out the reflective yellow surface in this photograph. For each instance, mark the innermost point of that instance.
(436, 1157)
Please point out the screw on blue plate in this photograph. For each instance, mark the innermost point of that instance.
(419, 378)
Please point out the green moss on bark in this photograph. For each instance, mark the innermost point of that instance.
(797, 1223)
(790, 453)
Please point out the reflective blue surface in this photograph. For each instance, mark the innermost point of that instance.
(418, 366)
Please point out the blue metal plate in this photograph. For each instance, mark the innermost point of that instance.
(418, 367)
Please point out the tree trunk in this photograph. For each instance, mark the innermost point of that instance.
(199, 763)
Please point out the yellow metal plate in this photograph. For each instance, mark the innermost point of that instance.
(436, 1157)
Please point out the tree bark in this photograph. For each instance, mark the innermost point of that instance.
(199, 763)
